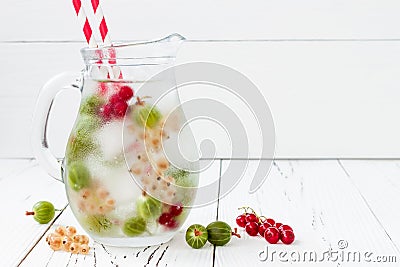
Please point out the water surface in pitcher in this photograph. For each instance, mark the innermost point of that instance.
(120, 181)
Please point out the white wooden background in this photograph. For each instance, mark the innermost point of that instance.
(323, 200)
(329, 69)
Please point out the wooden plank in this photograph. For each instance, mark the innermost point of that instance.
(379, 184)
(19, 192)
(318, 200)
(207, 20)
(173, 253)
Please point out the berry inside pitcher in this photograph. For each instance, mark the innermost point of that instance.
(120, 181)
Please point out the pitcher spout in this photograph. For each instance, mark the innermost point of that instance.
(173, 42)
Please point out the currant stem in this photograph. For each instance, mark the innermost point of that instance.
(139, 101)
(243, 208)
(28, 213)
(246, 208)
(253, 211)
(262, 217)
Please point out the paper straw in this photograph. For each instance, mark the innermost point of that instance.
(87, 30)
(105, 36)
(101, 21)
(83, 20)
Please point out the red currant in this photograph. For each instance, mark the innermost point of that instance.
(241, 220)
(164, 218)
(252, 228)
(270, 221)
(271, 235)
(287, 237)
(251, 217)
(120, 109)
(115, 99)
(103, 88)
(106, 112)
(285, 228)
(171, 224)
(262, 227)
(277, 225)
(125, 93)
(175, 210)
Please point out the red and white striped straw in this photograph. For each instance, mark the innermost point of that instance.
(83, 20)
(105, 36)
(88, 32)
(101, 21)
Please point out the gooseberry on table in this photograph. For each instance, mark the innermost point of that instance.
(196, 236)
(43, 212)
(220, 233)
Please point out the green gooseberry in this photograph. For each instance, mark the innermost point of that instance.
(196, 236)
(81, 142)
(43, 212)
(98, 223)
(91, 105)
(78, 176)
(147, 115)
(219, 233)
(134, 226)
(181, 177)
(148, 207)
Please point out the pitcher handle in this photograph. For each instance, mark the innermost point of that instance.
(39, 141)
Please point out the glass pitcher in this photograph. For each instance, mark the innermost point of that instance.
(129, 167)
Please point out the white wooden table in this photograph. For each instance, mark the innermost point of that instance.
(325, 201)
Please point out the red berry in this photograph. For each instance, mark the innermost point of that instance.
(262, 228)
(115, 99)
(287, 237)
(270, 221)
(175, 210)
(285, 228)
(125, 93)
(271, 235)
(252, 228)
(167, 220)
(164, 218)
(103, 88)
(251, 217)
(277, 225)
(241, 220)
(171, 224)
(120, 109)
(106, 112)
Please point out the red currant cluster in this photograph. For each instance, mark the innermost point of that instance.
(265, 227)
(168, 218)
(117, 104)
